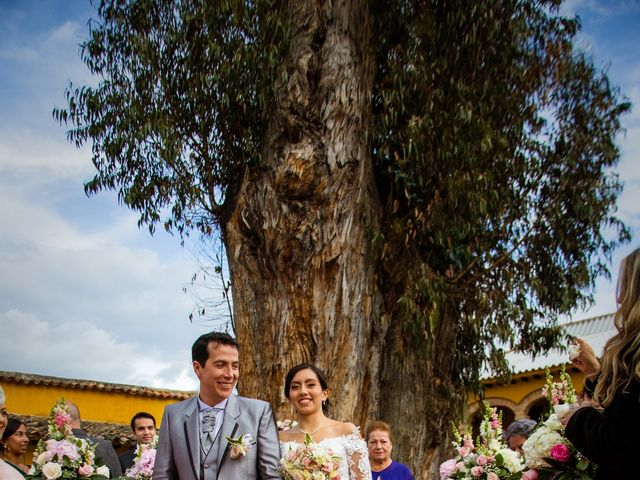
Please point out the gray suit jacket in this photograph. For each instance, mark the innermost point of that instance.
(178, 455)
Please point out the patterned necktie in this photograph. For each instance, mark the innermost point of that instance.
(208, 428)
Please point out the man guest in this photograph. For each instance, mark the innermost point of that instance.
(104, 450)
(143, 425)
(194, 434)
(379, 444)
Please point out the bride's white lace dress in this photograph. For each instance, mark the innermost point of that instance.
(352, 450)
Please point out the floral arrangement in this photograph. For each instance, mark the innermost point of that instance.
(142, 468)
(548, 453)
(240, 446)
(309, 462)
(63, 455)
(488, 459)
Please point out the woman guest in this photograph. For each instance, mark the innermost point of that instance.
(307, 390)
(517, 433)
(606, 432)
(15, 443)
(7, 471)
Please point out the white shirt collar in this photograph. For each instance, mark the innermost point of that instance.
(203, 406)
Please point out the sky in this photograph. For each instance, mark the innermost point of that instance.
(85, 293)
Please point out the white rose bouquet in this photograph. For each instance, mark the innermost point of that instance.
(548, 453)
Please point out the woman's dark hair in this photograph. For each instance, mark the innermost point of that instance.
(319, 374)
(13, 424)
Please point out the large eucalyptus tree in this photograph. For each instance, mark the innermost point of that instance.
(403, 188)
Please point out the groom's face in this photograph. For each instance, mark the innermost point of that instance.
(219, 374)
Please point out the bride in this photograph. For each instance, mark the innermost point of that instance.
(307, 390)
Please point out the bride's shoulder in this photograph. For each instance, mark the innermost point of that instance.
(345, 429)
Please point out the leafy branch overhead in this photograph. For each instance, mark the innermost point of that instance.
(492, 146)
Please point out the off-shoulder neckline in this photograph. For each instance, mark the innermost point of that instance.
(355, 435)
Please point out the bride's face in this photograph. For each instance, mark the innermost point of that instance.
(305, 393)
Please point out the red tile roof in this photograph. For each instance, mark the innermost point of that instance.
(27, 378)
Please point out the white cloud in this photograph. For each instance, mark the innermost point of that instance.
(39, 158)
(98, 282)
(82, 350)
(598, 7)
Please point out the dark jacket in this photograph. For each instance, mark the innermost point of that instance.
(127, 459)
(105, 454)
(609, 437)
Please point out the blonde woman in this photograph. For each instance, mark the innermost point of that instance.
(606, 432)
(7, 472)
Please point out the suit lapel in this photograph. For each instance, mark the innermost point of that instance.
(192, 435)
(229, 428)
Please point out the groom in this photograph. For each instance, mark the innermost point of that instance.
(192, 442)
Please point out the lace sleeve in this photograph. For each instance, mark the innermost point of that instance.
(358, 457)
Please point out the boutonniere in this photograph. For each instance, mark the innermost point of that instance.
(241, 445)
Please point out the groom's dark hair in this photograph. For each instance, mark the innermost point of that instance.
(200, 351)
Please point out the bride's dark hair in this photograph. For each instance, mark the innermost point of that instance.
(319, 374)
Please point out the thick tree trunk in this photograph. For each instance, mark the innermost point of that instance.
(419, 368)
(299, 240)
(304, 271)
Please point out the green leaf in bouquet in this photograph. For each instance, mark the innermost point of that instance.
(583, 464)
(565, 476)
(499, 460)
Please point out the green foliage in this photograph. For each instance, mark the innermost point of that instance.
(493, 144)
(181, 106)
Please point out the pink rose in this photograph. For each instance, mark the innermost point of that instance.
(85, 470)
(464, 451)
(530, 475)
(492, 476)
(560, 453)
(481, 460)
(448, 468)
(477, 471)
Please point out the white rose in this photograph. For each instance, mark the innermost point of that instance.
(103, 470)
(512, 460)
(52, 470)
(561, 410)
(553, 423)
(574, 351)
(42, 459)
(538, 445)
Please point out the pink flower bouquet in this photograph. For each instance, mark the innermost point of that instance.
(145, 458)
(309, 461)
(63, 455)
(488, 459)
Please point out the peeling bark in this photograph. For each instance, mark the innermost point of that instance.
(298, 241)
